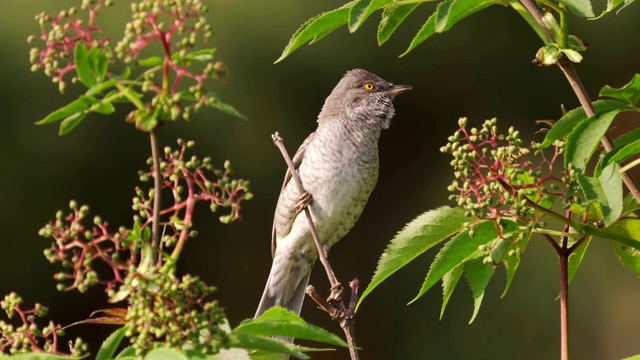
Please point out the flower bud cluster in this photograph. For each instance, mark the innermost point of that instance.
(168, 311)
(60, 33)
(27, 336)
(76, 246)
(494, 174)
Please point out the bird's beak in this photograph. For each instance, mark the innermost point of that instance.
(398, 89)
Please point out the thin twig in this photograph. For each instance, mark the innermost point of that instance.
(157, 189)
(334, 306)
(564, 306)
(316, 239)
(578, 88)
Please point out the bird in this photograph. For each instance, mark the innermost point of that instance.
(338, 167)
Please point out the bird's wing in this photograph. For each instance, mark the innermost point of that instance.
(297, 159)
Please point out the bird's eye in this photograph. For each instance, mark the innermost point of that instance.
(369, 86)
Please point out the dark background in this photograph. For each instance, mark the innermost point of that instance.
(479, 69)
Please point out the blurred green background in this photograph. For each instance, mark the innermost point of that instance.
(480, 69)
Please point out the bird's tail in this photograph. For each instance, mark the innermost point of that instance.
(270, 299)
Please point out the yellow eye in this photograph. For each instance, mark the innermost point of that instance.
(369, 86)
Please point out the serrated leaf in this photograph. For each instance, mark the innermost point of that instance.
(37, 356)
(83, 67)
(150, 61)
(361, 11)
(580, 7)
(461, 248)
(512, 262)
(110, 345)
(584, 140)
(224, 107)
(576, 257)
(268, 345)
(71, 122)
(278, 321)
(478, 276)
(418, 236)
(447, 14)
(611, 5)
(320, 24)
(618, 155)
(80, 105)
(606, 190)
(628, 256)
(573, 118)
(392, 17)
(449, 282)
(100, 69)
(630, 204)
(630, 93)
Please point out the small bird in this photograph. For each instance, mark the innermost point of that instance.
(338, 167)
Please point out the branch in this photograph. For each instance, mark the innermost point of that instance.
(334, 306)
(157, 189)
(576, 84)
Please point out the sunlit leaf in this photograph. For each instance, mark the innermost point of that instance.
(580, 7)
(478, 275)
(630, 93)
(281, 322)
(80, 105)
(584, 140)
(110, 345)
(392, 17)
(83, 67)
(618, 155)
(71, 122)
(165, 354)
(449, 282)
(570, 120)
(628, 256)
(421, 234)
(461, 248)
(447, 14)
(606, 189)
(320, 24)
(576, 257)
(361, 10)
(512, 261)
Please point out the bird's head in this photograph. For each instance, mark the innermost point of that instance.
(364, 97)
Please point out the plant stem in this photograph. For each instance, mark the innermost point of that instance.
(157, 189)
(564, 305)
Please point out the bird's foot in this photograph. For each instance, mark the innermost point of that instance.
(303, 202)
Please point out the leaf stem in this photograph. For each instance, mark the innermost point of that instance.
(629, 166)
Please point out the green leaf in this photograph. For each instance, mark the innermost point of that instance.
(611, 5)
(576, 257)
(627, 138)
(321, 24)
(83, 68)
(449, 282)
(572, 55)
(70, 123)
(580, 7)
(126, 353)
(165, 354)
(548, 55)
(268, 345)
(36, 356)
(100, 87)
(361, 10)
(629, 93)
(478, 276)
(630, 204)
(446, 15)
(618, 155)
(635, 357)
(461, 248)
(203, 55)
(110, 345)
(150, 61)
(584, 140)
(628, 256)
(418, 236)
(392, 17)
(100, 69)
(104, 108)
(80, 105)
(570, 120)
(281, 322)
(606, 190)
(224, 107)
(512, 262)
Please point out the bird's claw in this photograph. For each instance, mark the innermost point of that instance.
(303, 202)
